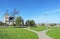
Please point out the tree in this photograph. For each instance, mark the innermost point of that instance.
(27, 22)
(14, 13)
(19, 21)
(43, 24)
(30, 23)
(1, 23)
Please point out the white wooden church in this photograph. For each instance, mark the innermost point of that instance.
(8, 19)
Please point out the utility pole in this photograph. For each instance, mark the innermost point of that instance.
(46, 21)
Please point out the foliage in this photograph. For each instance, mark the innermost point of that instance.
(19, 21)
(43, 24)
(15, 12)
(1, 23)
(53, 24)
(27, 23)
(30, 23)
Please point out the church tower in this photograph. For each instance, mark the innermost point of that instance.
(6, 18)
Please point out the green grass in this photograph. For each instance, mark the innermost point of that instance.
(16, 33)
(40, 28)
(55, 33)
(52, 27)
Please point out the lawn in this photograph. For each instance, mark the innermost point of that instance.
(16, 33)
(40, 28)
(55, 33)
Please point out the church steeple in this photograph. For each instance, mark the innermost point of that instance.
(6, 13)
(6, 17)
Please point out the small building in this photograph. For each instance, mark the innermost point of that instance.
(8, 19)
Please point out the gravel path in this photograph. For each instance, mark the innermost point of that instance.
(42, 35)
(31, 30)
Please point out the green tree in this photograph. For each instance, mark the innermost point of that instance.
(27, 22)
(19, 21)
(30, 23)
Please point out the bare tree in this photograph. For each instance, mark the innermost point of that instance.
(15, 12)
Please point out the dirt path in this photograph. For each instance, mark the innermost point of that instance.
(42, 35)
(31, 30)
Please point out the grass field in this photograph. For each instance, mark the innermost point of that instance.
(40, 28)
(54, 33)
(19, 33)
(16, 33)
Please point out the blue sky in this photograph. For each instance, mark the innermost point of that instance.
(33, 9)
